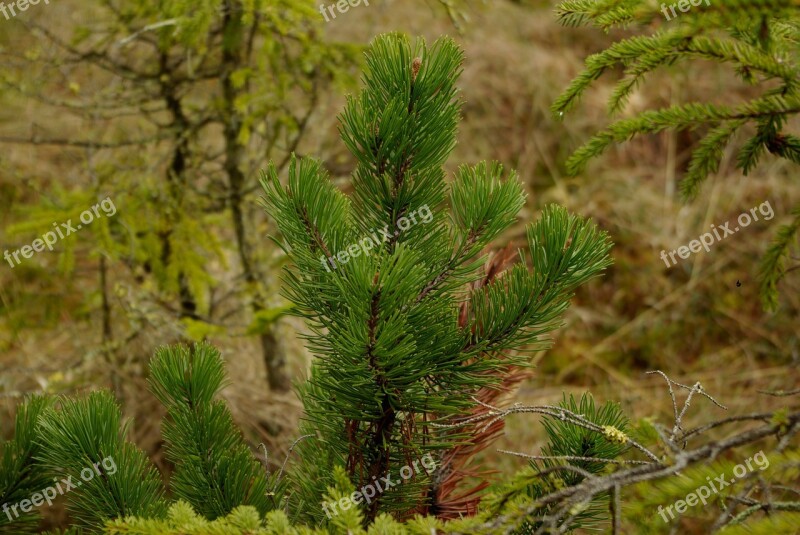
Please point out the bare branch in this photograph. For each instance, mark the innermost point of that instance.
(571, 458)
(85, 144)
(780, 393)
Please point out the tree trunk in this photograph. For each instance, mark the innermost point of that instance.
(274, 359)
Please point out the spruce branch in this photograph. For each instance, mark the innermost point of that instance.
(772, 268)
(756, 40)
(681, 117)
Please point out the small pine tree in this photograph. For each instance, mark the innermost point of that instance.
(219, 487)
(388, 281)
(758, 40)
(408, 336)
(567, 440)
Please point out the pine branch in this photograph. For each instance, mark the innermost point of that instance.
(20, 475)
(560, 508)
(85, 436)
(214, 469)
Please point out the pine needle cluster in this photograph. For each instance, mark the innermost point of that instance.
(77, 439)
(215, 471)
(80, 433)
(20, 476)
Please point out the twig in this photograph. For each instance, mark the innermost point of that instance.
(572, 458)
(575, 495)
(765, 416)
(266, 456)
(685, 387)
(559, 413)
(615, 510)
(154, 26)
(780, 393)
(784, 443)
(288, 453)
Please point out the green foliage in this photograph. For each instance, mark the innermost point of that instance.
(182, 72)
(392, 357)
(182, 520)
(264, 319)
(81, 441)
(20, 477)
(757, 40)
(82, 435)
(772, 267)
(568, 439)
(342, 488)
(214, 469)
(769, 525)
(779, 470)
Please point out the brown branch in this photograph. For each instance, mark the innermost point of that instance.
(84, 144)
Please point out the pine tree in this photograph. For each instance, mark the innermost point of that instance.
(81, 440)
(757, 39)
(413, 324)
(214, 469)
(217, 485)
(384, 277)
(567, 440)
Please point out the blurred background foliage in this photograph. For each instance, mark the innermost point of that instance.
(171, 109)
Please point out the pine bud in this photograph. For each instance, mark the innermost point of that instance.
(415, 65)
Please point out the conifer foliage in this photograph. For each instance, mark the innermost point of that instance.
(19, 475)
(413, 325)
(757, 39)
(383, 295)
(214, 469)
(81, 433)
